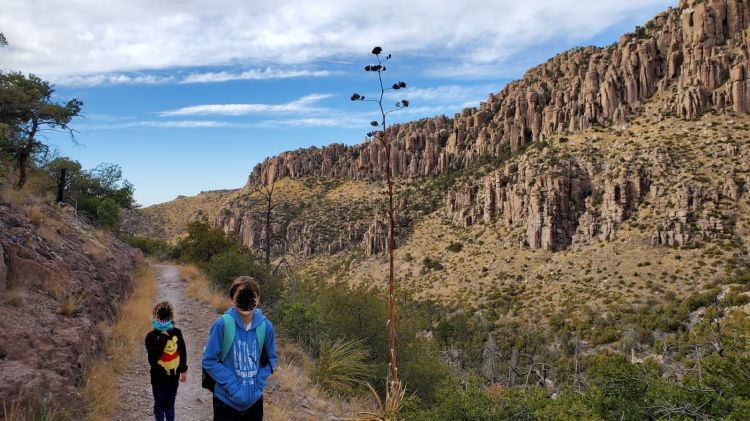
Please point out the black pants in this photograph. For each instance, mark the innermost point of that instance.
(164, 396)
(224, 412)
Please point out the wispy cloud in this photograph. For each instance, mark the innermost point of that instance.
(343, 121)
(171, 124)
(442, 99)
(302, 105)
(254, 74)
(106, 36)
(111, 79)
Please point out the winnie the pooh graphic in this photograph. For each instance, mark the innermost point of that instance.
(170, 358)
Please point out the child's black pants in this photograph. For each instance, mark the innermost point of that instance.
(164, 396)
(224, 412)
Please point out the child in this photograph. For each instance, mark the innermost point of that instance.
(168, 360)
(241, 376)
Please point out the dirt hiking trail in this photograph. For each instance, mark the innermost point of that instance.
(286, 395)
(194, 319)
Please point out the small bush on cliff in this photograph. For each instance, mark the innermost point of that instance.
(108, 213)
(455, 247)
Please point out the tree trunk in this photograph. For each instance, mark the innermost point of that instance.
(24, 153)
(61, 185)
(23, 163)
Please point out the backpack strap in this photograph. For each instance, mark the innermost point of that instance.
(260, 332)
(228, 337)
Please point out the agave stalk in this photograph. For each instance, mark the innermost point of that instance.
(381, 137)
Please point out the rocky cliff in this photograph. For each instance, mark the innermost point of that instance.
(697, 53)
(59, 280)
(682, 64)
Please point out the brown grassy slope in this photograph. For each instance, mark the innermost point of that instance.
(168, 220)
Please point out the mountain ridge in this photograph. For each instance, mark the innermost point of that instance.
(699, 49)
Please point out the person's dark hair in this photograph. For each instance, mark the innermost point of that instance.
(244, 282)
(163, 311)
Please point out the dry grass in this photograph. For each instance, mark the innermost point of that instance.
(57, 285)
(388, 408)
(35, 191)
(355, 190)
(36, 216)
(104, 237)
(199, 287)
(95, 250)
(294, 385)
(17, 198)
(53, 227)
(14, 297)
(100, 381)
(72, 303)
(34, 406)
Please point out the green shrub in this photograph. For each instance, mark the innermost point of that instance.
(455, 247)
(202, 242)
(617, 387)
(150, 246)
(226, 266)
(299, 319)
(698, 300)
(108, 213)
(431, 264)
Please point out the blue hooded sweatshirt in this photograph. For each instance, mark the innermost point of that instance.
(239, 378)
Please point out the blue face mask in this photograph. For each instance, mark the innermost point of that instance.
(162, 326)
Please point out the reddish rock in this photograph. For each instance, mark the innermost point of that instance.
(41, 346)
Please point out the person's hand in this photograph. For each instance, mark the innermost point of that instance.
(183, 376)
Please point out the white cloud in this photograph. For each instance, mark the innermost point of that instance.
(254, 74)
(447, 94)
(110, 79)
(105, 79)
(172, 124)
(340, 121)
(302, 105)
(63, 37)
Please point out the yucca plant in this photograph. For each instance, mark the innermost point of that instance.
(386, 409)
(342, 366)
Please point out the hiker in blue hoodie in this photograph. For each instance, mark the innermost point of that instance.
(242, 374)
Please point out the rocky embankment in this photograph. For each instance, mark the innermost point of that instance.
(59, 279)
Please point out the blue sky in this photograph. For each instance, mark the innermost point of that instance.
(188, 96)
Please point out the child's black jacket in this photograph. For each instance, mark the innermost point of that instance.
(166, 355)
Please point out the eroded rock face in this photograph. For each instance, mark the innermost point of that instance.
(697, 53)
(41, 269)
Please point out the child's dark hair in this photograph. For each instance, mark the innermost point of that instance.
(163, 311)
(244, 282)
